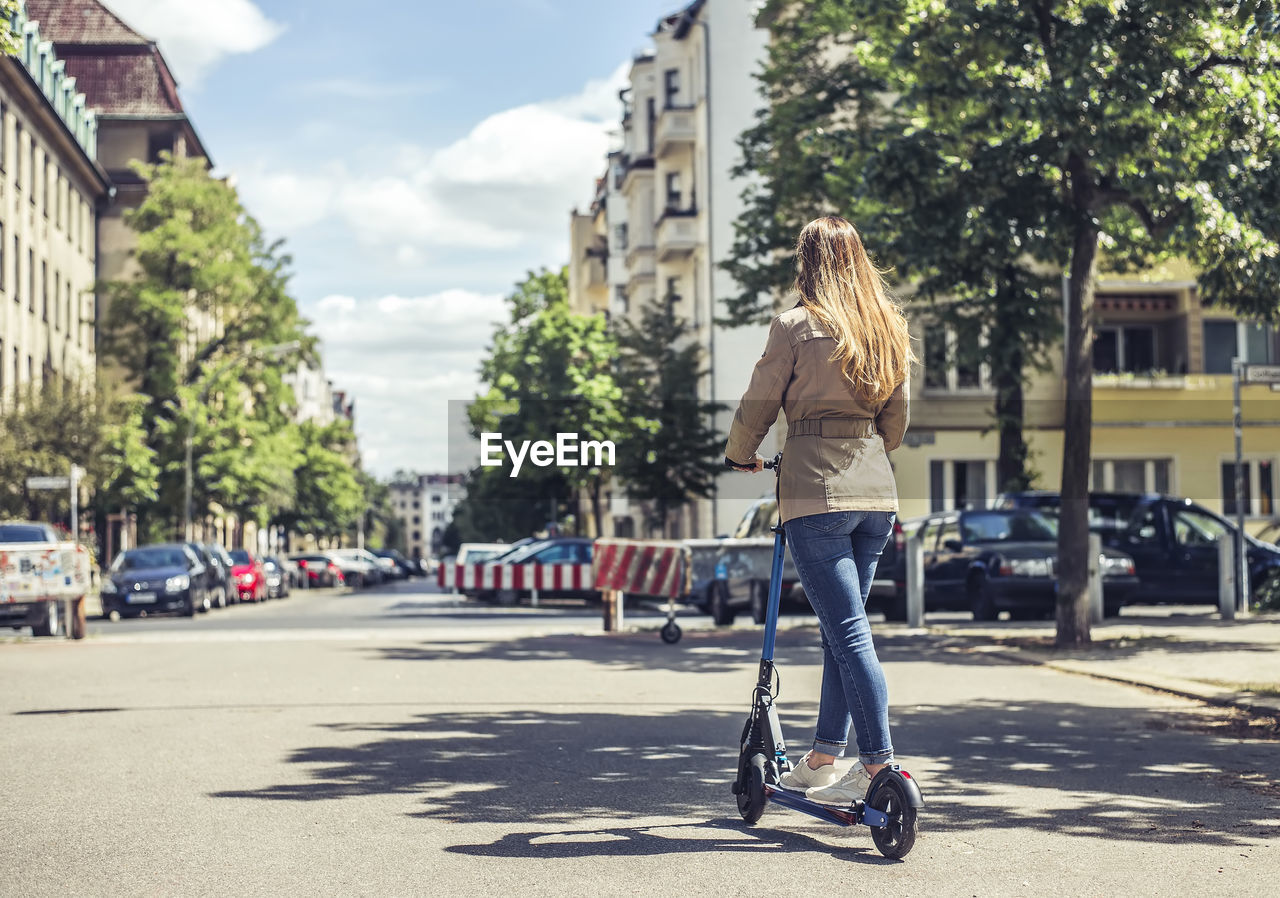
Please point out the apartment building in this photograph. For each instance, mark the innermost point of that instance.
(1162, 407)
(425, 503)
(669, 202)
(313, 393)
(139, 115)
(51, 191)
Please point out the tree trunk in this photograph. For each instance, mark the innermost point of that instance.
(1073, 531)
(596, 513)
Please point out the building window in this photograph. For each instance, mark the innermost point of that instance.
(17, 152)
(1131, 475)
(57, 297)
(1252, 343)
(57, 197)
(652, 115)
(945, 367)
(157, 144)
(417, 535)
(31, 280)
(435, 499)
(621, 298)
(3, 277)
(1259, 487)
(671, 86)
(961, 484)
(620, 234)
(416, 519)
(44, 291)
(4, 133)
(17, 272)
(1124, 349)
(417, 504)
(673, 190)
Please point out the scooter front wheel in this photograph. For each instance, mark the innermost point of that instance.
(898, 838)
(751, 797)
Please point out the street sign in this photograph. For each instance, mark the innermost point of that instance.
(48, 483)
(1262, 374)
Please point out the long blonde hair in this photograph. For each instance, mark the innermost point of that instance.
(839, 284)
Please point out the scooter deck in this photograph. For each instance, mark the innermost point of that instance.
(853, 816)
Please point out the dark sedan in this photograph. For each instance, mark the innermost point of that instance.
(996, 560)
(1173, 542)
(155, 579)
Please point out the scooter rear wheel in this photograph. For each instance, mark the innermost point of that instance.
(751, 797)
(898, 838)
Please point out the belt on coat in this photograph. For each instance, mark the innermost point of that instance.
(846, 428)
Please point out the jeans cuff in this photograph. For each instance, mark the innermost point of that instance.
(880, 757)
(829, 748)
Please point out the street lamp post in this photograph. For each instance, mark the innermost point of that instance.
(274, 351)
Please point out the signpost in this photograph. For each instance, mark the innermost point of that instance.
(70, 482)
(1242, 373)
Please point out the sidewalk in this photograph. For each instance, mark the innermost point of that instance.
(1230, 663)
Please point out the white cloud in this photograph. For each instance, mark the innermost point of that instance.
(195, 35)
(404, 359)
(507, 183)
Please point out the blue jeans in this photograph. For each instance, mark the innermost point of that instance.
(836, 554)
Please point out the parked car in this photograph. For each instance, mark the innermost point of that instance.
(359, 567)
(1173, 541)
(251, 579)
(476, 553)
(319, 569)
(277, 577)
(403, 566)
(992, 560)
(567, 550)
(745, 584)
(38, 570)
(155, 578)
(27, 532)
(219, 582)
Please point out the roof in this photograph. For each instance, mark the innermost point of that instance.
(124, 83)
(679, 23)
(83, 22)
(120, 72)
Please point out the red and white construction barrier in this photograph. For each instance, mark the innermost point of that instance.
(642, 567)
(545, 577)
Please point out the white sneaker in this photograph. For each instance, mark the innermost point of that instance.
(802, 777)
(850, 787)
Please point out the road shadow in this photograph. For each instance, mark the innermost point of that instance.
(1055, 767)
(699, 651)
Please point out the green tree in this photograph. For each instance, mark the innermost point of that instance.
(9, 42)
(43, 433)
(671, 451)
(1144, 130)
(185, 333)
(549, 371)
(328, 496)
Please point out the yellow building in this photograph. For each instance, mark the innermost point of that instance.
(1162, 409)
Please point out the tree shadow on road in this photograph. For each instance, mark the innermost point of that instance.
(1054, 767)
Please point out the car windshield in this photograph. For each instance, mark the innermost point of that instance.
(150, 557)
(240, 556)
(23, 533)
(514, 556)
(1008, 526)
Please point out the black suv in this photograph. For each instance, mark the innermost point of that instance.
(1173, 542)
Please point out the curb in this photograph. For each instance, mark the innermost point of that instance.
(1226, 698)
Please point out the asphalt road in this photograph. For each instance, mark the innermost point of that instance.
(396, 743)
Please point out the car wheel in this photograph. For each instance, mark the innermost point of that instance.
(721, 613)
(188, 606)
(50, 623)
(981, 602)
(205, 605)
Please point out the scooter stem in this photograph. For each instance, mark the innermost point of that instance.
(775, 592)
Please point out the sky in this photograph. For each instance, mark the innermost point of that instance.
(417, 158)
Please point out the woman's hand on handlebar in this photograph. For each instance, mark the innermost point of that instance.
(756, 466)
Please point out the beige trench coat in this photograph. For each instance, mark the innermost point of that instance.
(836, 454)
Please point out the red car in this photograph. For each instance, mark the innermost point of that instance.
(318, 569)
(251, 579)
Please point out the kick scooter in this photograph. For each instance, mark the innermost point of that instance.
(893, 797)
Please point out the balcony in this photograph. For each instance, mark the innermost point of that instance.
(637, 167)
(640, 267)
(677, 126)
(677, 232)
